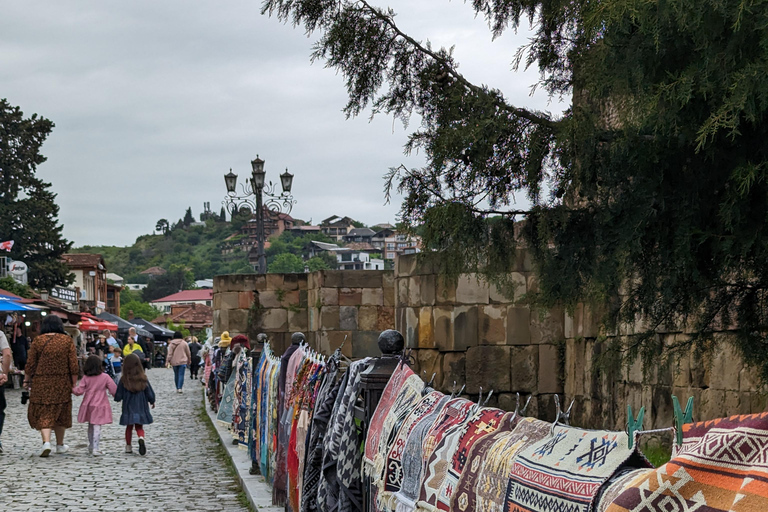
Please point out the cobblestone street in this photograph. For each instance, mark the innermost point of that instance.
(180, 471)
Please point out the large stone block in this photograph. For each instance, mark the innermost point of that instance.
(488, 367)
(411, 328)
(331, 340)
(445, 290)
(362, 279)
(518, 325)
(524, 261)
(547, 327)
(270, 299)
(230, 300)
(414, 291)
(388, 279)
(217, 300)
(464, 330)
(365, 344)
(223, 320)
(291, 281)
(298, 321)
(428, 289)
(402, 292)
(442, 322)
(524, 365)
(350, 296)
(454, 370)
(217, 322)
(519, 289)
(726, 368)
(274, 320)
(291, 298)
(275, 282)
(329, 318)
(245, 300)
(367, 318)
(329, 296)
(493, 325)
(431, 362)
(348, 318)
(372, 297)
(550, 370)
(470, 289)
(572, 322)
(405, 265)
(238, 321)
(389, 296)
(314, 319)
(333, 278)
(385, 318)
(426, 329)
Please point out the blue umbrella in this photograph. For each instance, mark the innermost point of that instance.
(7, 304)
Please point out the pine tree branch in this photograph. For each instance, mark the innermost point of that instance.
(515, 111)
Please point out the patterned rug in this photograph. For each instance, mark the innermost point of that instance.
(565, 471)
(450, 457)
(617, 485)
(393, 468)
(721, 466)
(404, 388)
(483, 483)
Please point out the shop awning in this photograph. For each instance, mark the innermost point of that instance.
(91, 324)
(7, 304)
(123, 325)
(153, 328)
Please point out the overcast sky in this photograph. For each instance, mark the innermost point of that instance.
(154, 101)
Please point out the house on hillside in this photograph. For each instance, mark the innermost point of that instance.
(184, 298)
(274, 225)
(355, 256)
(336, 227)
(360, 235)
(154, 272)
(195, 317)
(90, 279)
(391, 243)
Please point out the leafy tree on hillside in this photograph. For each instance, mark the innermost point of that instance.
(162, 226)
(316, 263)
(177, 278)
(223, 215)
(188, 217)
(648, 195)
(28, 209)
(139, 309)
(286, 263)
(9, 284)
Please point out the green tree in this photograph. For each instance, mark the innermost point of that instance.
(9, 284)
(223, 215)
(188, 217)
(286, 263)
(648, 195)
(316, 263)
(180, 327)
(28, 209)
(140, 309)
(162, 226)
(177, 278)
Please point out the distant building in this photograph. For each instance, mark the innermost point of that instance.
(361, 235)
(195, 317)
(356, 256)
(90, 279)
(383, 225)
(136, 287)
(116, 279)
(184, 298)
(305, 229)
(391, 243)
(204, 283)
(274, 225)
(154, 272)
(336, 227)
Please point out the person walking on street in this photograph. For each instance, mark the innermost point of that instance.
(179, 358)
(95, 409)
(5, 351)
(110, 338)
(137, 395)
(194, 351)
(51, 373)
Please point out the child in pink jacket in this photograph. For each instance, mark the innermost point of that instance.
(95, 408)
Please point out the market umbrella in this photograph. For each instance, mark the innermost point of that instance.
(155, 329)
(7, 304)
(124, 325)
(95, 324)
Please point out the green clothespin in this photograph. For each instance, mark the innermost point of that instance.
(634, 425)
(681, 418)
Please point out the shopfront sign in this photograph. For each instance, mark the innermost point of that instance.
(17, 268)
(65, 294)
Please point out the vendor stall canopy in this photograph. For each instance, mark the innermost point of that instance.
(124, 325)
(8, 304)
(156, 330)
(92, 324)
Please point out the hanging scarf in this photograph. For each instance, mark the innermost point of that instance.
(288, 367)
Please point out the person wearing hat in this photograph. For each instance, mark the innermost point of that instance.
(236, 345)
(225, 340)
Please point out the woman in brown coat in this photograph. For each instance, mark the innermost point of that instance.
(50, 375)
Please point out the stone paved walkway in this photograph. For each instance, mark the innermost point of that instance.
(179, 472)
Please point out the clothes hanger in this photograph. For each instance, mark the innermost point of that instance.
(681, 417)
(634, 424)
(518, 411)
(561, 418)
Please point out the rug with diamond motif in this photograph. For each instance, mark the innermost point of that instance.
(483, 482)
(721, 466)
(565, 471)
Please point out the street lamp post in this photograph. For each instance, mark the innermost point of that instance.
(254, 193)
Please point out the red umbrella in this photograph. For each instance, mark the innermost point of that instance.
(92, 324)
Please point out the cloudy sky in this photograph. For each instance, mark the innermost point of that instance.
(154, 101)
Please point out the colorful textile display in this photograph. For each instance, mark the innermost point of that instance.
(374, 454)
(438, 453)
(241, 406)
(566, 469)
(483, 484)
(227, 403)
(617, 485)
(721, 466)
(393, 468)
(413, 460)
(288, 367)
(450, 457)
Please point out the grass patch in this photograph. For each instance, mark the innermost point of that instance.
(657, 455)
(223, 456)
